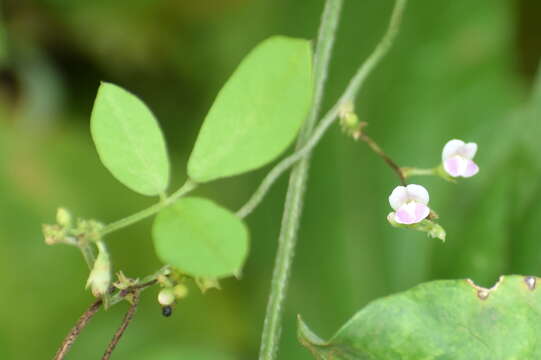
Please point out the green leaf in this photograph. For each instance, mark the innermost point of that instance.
(129, 140)
(201, 238)
(258, 112)
(445, 319)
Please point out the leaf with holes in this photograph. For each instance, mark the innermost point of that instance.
(201, 238)
(129, 140)
(258, 112)
(445, 319)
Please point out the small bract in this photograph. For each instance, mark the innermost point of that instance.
(457, 158)
(410, 204)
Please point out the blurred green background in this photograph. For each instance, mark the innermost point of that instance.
(460, 69)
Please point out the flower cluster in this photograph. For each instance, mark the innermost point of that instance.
(410, 203)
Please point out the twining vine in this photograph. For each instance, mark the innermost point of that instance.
(131, 146)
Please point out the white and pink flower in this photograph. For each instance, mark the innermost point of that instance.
(410, 204)
(457, 158)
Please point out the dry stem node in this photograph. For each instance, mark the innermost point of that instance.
(530, 281)
(483, 293)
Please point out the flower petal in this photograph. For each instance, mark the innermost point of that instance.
(421, 212)
(470, 169)
(451, 148)
(398, 197)
(452, 166)
(404, 215)
(468, 150)
(411, 213)
(417, 193)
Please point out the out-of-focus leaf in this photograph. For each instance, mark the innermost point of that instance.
(201, 238)
(258, 112)
(531, 130)
(182, 352)
(129, 140)
(445, 319)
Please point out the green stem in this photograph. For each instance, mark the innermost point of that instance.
(436, 171)
(345, 100)
(297, 182)
(294, 198)
(411, 171)
(88, 254)
(154, 209)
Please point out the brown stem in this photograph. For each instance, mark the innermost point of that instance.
(76, 330)
(122, 294)
(375, 147)
(125, 322)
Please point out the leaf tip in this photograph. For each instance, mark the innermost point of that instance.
(306, 336)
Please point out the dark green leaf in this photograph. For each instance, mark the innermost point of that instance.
(445, 319)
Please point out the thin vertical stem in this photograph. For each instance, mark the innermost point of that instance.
(125, 323)
(76, 330)
(88, 254)
(347, 99)
(297, 181)
(307, 140)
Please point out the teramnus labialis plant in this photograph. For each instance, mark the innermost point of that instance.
(272, 100)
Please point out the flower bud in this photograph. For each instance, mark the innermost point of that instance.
(63, 218)
(100, 276)
(166, 297)
(180, 291)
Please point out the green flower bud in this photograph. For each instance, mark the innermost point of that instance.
(100, 276)
(63, 218)
(180, 291)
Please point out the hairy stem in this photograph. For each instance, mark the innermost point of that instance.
(145, 283)
(330, 117)
(125, 323)
(297, 182)
(154, 209)
(294, 199)
(76, 330)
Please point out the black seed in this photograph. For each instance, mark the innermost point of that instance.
(167, 311)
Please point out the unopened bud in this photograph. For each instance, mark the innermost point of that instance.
(180, 291)
(100, 276)
(63, 218)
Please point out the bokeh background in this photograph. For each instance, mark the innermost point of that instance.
(460, 69)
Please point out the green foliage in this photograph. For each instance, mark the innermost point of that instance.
(129, 140)
(201, 238)
(183, 352)
(258, 112)
(446, 319)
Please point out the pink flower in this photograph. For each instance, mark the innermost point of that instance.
(457, 158)
(410, 204)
